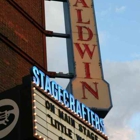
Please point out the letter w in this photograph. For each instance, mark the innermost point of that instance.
(86, 49)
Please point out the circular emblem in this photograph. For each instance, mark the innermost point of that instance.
(9, 114)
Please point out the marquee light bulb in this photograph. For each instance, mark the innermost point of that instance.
(34, 94)
(77, 115)
(72, 111)
(66, 106)
(35, 113)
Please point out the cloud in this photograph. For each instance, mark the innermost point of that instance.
(124, 79)
(121, 134)
(135, 125)
(120, 9)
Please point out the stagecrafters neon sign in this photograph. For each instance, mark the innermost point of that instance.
(60, 94)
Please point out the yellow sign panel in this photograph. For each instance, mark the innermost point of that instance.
(55, 122)
(88, 87)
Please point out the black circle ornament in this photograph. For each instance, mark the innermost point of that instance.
(9, 114)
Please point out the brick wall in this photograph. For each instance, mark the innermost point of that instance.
(33, 8)
(17, 29)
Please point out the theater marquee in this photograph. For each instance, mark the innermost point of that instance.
(53, 121)
(57, 115)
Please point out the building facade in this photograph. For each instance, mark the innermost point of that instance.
(32, 107)
(22, 40)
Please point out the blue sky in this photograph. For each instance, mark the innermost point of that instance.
(118, 29)
(118, 23)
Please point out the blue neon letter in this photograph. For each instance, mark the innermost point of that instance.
(60, 95)
(54, 89)
(72, 102)
(42, 75)
(88, 114)
(47, 85)
(78, 108)
(35, 72)
(102, 128)
(65, 98)
(92, 118)
(97, 122)
(83, 111)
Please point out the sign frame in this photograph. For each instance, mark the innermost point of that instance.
(63, 107)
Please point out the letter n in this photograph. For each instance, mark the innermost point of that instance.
(91, 90)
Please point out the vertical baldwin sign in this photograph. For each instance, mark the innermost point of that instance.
(88, 86)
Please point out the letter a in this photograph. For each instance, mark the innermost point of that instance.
(81, 1)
